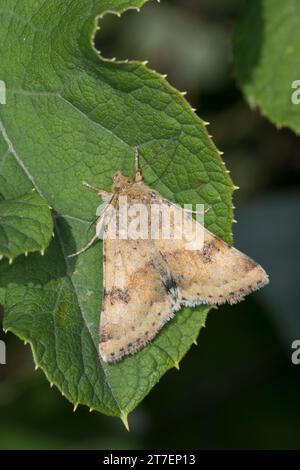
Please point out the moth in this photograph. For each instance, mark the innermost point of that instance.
(147, 280)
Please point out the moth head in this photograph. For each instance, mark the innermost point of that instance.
(120, 181)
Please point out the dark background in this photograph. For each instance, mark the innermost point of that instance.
(237, 389)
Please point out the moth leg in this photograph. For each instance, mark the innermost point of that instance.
(94, 222)
(86, 247)
(109, 197)
(138, 171)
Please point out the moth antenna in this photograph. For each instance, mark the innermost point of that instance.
(89, 244)
(147, 164)
(94, 221)
(100, 192)
(86, 247)
(138, 171)
(155, 157)
(137, 159)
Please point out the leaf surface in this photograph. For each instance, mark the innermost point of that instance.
(71, 116)
(25, 225)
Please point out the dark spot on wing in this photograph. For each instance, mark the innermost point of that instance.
(249, 264)
(169, 284)
(209, 248)
(118, 295)
(105, 337)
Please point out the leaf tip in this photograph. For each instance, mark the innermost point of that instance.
(176, 365)
(75, 407)
(10, 260)
(91, 409)
(124, 419)
(195, 342)
(42, 252)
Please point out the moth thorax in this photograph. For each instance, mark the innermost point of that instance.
(120, 181)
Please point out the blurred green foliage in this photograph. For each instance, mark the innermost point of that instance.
(238, 388)
(267, 69)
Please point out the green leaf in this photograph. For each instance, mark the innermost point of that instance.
(73, 116)
(267, 60)
(25, 225)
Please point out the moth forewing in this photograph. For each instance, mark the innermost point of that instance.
(138, 297)
(150, 271)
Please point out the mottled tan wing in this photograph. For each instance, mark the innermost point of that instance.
(215, 274)
(146, 281)
(138, 297)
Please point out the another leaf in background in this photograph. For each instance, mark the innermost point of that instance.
(267, 59)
